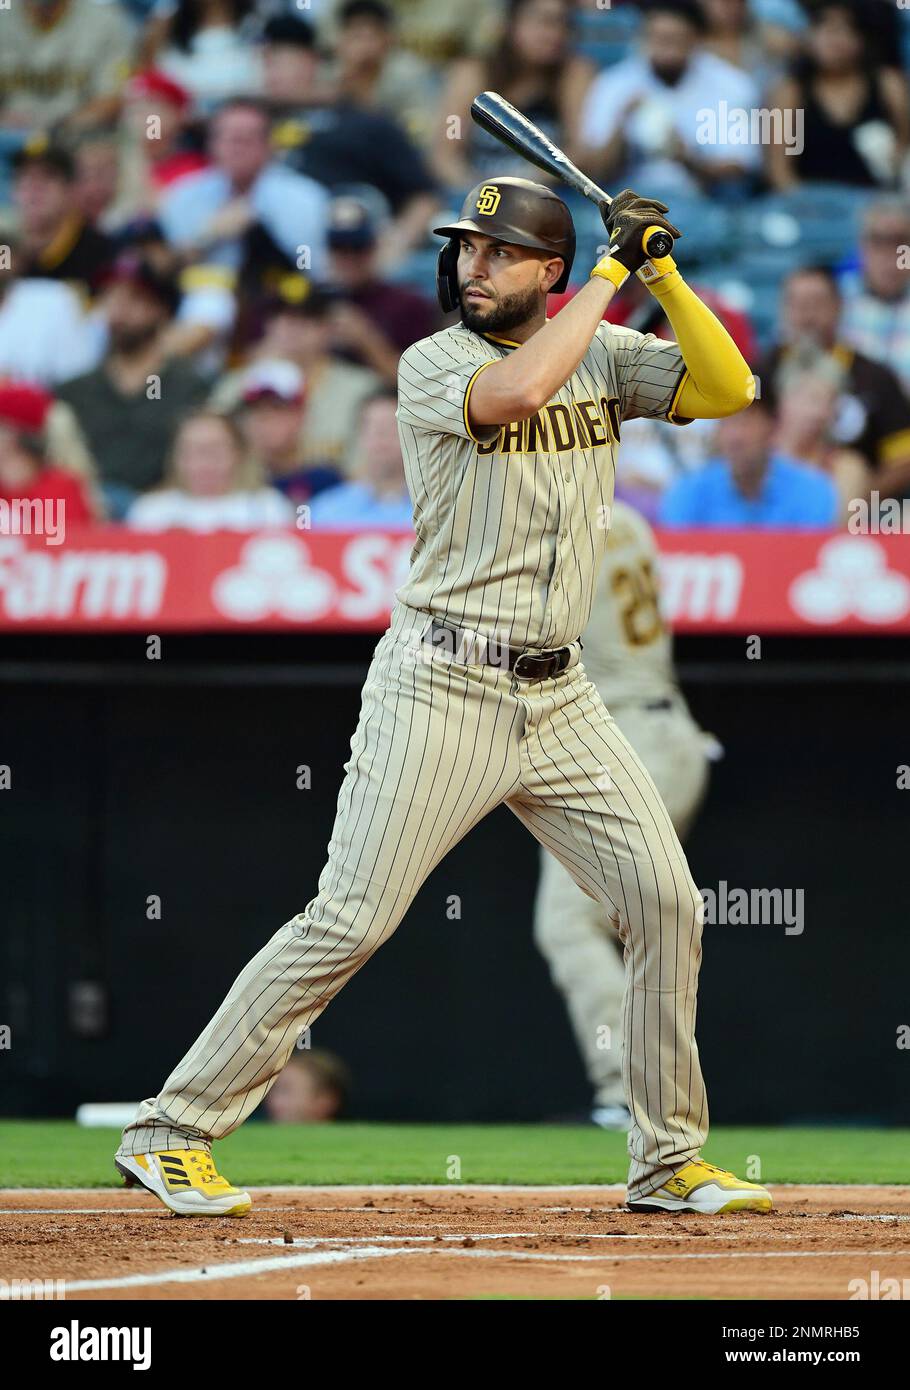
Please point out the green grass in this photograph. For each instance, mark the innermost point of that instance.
(60, 1154)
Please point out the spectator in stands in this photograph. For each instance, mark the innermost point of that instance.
(55, 240)
(341, 144)
(45, 334)
(438, 32)
(96, 155)
(750, 483)
(248, 211)
(653, 454)
(26, 473)
(877, 310)
(805, 416)
(373, 321)
(377, 495)
(61, 61)
(533, 66)
(207, 310)
(211, 484)
(855, 111)
(271, 418)
(298, 329)
(644, 120)
(130, 406)
(207, 47)
(734, 34)
(312, 1089)
(372, 71)
(155, 119)
(873, 413)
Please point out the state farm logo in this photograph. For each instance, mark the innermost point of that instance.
(94, 585)
(273, 578)
(700, 588)
(852, 580)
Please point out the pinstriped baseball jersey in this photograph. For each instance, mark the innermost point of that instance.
(512, 520)
(628, 648)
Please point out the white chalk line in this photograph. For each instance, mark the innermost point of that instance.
(271, 1265)
(461, 1187)
(391, 1187)
(871, 1216)
(111, 1211)
(312, 1242)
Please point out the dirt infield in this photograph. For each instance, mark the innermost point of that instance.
(454, 1242)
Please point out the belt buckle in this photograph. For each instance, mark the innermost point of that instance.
(530, 657)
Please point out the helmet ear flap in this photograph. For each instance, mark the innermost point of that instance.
(447, 276)
(563, 282)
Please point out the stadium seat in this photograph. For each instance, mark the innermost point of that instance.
(606, 35)
(817, 222)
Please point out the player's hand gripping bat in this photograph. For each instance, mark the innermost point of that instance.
(505, 123)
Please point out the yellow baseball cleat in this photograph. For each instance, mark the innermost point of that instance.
(185, 1180)
(699, 1186)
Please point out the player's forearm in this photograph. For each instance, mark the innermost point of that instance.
(517, 387)
(718, 380)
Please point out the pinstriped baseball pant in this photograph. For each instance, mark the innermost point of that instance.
(438, 745)
(573, 932)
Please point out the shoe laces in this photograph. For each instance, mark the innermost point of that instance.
(203, 1161)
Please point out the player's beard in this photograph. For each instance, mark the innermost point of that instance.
(508, 312)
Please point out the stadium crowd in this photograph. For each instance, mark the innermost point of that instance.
(215, 240)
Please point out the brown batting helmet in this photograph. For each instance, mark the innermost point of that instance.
(514, 210)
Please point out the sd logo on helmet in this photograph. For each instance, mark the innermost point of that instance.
(489, 199)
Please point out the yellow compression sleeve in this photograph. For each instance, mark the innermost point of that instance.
(717, 380)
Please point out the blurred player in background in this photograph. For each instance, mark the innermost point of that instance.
(628, 656)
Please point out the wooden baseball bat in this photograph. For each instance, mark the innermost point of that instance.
(507, 124)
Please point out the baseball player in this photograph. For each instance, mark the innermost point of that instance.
(628, 654)
(476, 695)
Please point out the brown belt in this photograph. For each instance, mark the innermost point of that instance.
(530, 666)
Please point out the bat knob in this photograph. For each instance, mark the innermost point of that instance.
(657, 243)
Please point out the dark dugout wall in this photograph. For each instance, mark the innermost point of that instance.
(178, 779)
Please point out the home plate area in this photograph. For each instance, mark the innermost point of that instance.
(455, 1242)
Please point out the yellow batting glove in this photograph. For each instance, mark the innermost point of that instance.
(609, 268)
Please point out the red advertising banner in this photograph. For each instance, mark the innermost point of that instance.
(110, 579)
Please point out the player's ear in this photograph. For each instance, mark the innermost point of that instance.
(551, 271)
